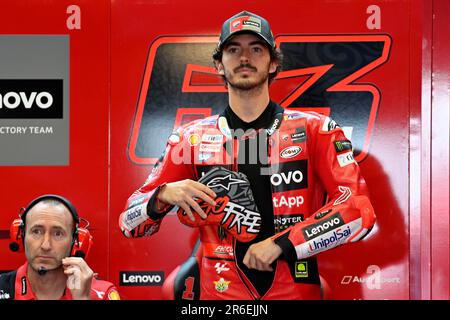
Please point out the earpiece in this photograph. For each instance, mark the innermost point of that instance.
(84, 242)
(81, 237)
(15, 234)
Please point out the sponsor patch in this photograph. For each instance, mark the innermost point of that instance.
(316, 229)
(224, 182)
(223, 250)
(113, 295)
(286, 201)
(293, 116)
(290, 152)
(245, 23)
(299, 135)
(342, 145)
(346, 192)
(282, 222)
(345, 158)
(194, 139)
(322, 214)
(208, 122)
(204, 156)
(210, 148)
(222, 285)
(291, 175)
(212, 138)
(135, 216)
(275, 124)
(301, 269)
(221, 267)
(329, 240)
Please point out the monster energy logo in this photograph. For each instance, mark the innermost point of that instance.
(342, 145)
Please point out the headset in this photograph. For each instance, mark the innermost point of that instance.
(81, 237)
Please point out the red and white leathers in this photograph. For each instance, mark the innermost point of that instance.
(308, 156)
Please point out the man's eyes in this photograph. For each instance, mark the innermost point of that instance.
(36, 231)
(56, 233)
(255, 49)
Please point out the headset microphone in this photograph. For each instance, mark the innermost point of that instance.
(42, 271)
(80, 254)
(14, 246)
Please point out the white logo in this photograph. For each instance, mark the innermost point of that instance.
(273, 128)
(290, 152)
(4, 295)
(224, 182)
(345, 194)
(345, 158)
(242, 217)
(277, 178)
(288, 201)
(210, 148)
(224, 250)
(221, 267)
(12, 100)
(322, 227)
(212, 138)
(135, 216)
(204, 156)
(373, 281)
(141, 279)
(100, 294)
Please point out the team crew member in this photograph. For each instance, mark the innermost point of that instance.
(55, 268)
(299, 157)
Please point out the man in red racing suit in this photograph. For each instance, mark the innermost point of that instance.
(308, 155)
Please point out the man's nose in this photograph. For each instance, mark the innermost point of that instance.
(244, 55)
(46, 245)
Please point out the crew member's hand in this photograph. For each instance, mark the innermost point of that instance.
(260, 255)
(183, 193)
(79, 277)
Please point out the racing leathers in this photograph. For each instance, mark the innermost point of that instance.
(308, 156)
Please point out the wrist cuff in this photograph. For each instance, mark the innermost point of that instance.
(286, 246)
(157, 209)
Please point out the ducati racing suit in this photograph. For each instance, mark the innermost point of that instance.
(308, 156)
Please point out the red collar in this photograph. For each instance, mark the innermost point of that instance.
(23, 289)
